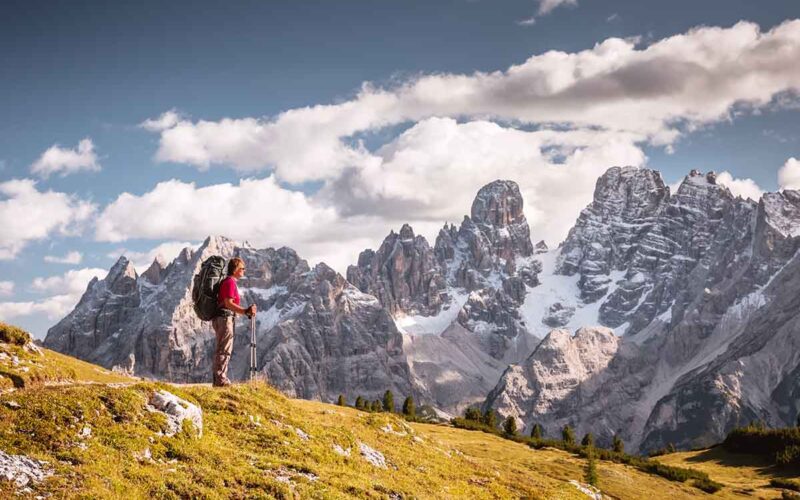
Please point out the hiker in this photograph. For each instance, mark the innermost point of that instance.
(228, 300)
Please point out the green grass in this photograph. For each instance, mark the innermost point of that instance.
(94, 430)
(22, 367)
(11, 334)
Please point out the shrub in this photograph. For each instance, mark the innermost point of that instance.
(11, 334)
(510, 426)
(388, 401)
(490, 418)
(618, 445)
(707, 485)
(408, 407)
(536, 431)
(788, 484)
(781, 446)
(591, 468)
(341, 401)
(360, 403)
(588, 440)
(472, 414)
(568, 435)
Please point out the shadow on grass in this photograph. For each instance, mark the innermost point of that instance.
(720, 456)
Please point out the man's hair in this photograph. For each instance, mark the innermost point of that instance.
(233, 264)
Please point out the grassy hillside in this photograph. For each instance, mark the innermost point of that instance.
(100, 441)
(742, 474)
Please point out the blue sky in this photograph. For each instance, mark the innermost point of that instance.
(326, 186)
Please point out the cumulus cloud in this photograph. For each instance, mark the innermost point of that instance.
(259, 211)
(167, 120)
(65, 161)
(27, 214)
(746, 188)
(658, 92)
(73, 257)
(6, 288)
(167, 251)
(555, 169)
(547, 6)
(789, 174)
(60, 295)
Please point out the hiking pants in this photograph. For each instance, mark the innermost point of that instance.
(224, 330)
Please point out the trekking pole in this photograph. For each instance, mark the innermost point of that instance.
(253, 367)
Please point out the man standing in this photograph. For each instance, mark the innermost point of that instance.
(228, 300)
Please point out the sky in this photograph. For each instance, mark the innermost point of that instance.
(139, 128)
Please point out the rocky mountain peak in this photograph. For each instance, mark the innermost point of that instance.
(403, 274)
(121, 278)
(154, 273)
(406, 232)
(498, 203)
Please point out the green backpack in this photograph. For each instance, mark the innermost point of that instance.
(205, 288)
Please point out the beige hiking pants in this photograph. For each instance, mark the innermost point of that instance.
(224, 330)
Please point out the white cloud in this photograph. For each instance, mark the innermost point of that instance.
(256, 210)
(66, 161)
(547, 6)
(27, 214)
(746, 188)
(63, 293)
(6, 288)
(556, 171)
(167, 120)
(657, 92)
(789, 174)
(530, 21)
(142, 260)
(73, 257)
(613, 17)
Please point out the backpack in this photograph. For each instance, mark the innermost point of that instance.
(205, 288)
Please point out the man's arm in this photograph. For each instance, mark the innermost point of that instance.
(233, 306)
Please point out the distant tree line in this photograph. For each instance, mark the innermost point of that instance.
(473, 419)
(386, 404)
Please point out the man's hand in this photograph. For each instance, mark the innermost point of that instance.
(251, 311)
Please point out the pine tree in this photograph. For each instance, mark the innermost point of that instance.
(591, 468)
(408, 407)
(510, 426)
(377, 405)
(536, 431)
(341, 401)
(472, 414)
(359, 403)
(588, 439)
(671, 448)
(618, 445)
(388, 401)
(490, 418)
(568, 435)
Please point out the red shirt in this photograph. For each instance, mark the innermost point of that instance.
(228, 290)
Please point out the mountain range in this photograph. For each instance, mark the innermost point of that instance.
(663, 317)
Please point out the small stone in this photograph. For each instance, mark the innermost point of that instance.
(13, 405)
(341, 451)
(372, 456)
(177, 410)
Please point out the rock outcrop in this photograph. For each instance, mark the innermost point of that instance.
(458, 302)
(705, 287)
(318, 335)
